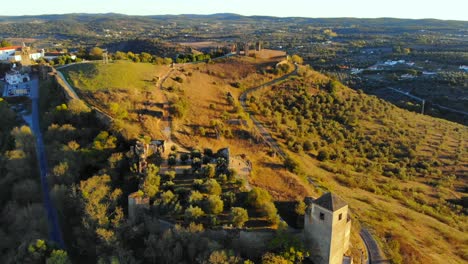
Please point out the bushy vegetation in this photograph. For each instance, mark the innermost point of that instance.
(23, 222)
(366, 143)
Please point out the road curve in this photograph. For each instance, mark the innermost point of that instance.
(373, 250)
(269, 140)
(54, 227)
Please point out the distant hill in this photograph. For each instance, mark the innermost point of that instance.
(86, 24)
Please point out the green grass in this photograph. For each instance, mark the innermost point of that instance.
(118, 75)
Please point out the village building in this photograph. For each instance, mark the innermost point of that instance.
(327, 229)
(6, 52)
(13, 76)
(19, 54)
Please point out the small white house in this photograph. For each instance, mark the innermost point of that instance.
(36, 55)
(15, 77)
(15, 53)
(6, 52)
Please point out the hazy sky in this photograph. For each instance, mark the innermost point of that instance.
(441, 9)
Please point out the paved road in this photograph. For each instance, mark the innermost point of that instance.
(54, 227)
(269, 140)
(373, 249)
(424, 100)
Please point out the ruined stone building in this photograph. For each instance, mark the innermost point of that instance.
(327, 228)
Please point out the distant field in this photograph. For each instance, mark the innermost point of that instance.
(200, 44)
(118, 75)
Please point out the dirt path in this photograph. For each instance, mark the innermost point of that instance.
(266, 136)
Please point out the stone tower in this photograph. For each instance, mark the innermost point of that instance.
(258, 46)
(238, 48)
(136, 203)
(246, 49)
(327, 228)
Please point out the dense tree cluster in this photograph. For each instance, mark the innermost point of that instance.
(203, 202)
(184, 58)
(332, 124)
(23, 221)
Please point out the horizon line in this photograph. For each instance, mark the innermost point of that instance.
(228, 13)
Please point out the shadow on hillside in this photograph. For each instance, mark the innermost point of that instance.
(286, 209)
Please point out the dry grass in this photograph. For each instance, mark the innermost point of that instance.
(422, 238)
(130, 86)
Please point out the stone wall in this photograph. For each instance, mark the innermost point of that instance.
(69, 95)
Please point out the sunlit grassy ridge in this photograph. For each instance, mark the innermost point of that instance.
(125, 90)
(117, 75)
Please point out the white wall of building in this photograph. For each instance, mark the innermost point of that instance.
(14, 58)
(15, 77)
(35, 56)
(4, 54)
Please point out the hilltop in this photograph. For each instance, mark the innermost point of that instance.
(394, 167)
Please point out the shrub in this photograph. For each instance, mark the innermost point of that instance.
(193, 212)
(201, 131)
(291, 164)
(170, 175)
(238, 216)
(172, 161)
(209, 171)
(167, 197)
(179, 79)
(308, 145)
(151, 185)
(214, 204)
(258, 197)
(323, 155)
(211, 186)
(229, 198)
(195, 197)
(184, 157)
(300, 207)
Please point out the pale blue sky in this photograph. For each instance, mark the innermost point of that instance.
(446, 9)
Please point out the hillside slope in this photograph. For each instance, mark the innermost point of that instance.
(403, 174)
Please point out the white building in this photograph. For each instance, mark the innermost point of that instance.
(6, 52)
(15, 77)
(17, 53)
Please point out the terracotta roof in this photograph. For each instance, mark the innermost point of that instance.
(330, 201)
(10, 48)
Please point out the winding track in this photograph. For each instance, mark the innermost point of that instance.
(266, 136)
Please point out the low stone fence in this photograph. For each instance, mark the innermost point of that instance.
(69, 94)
